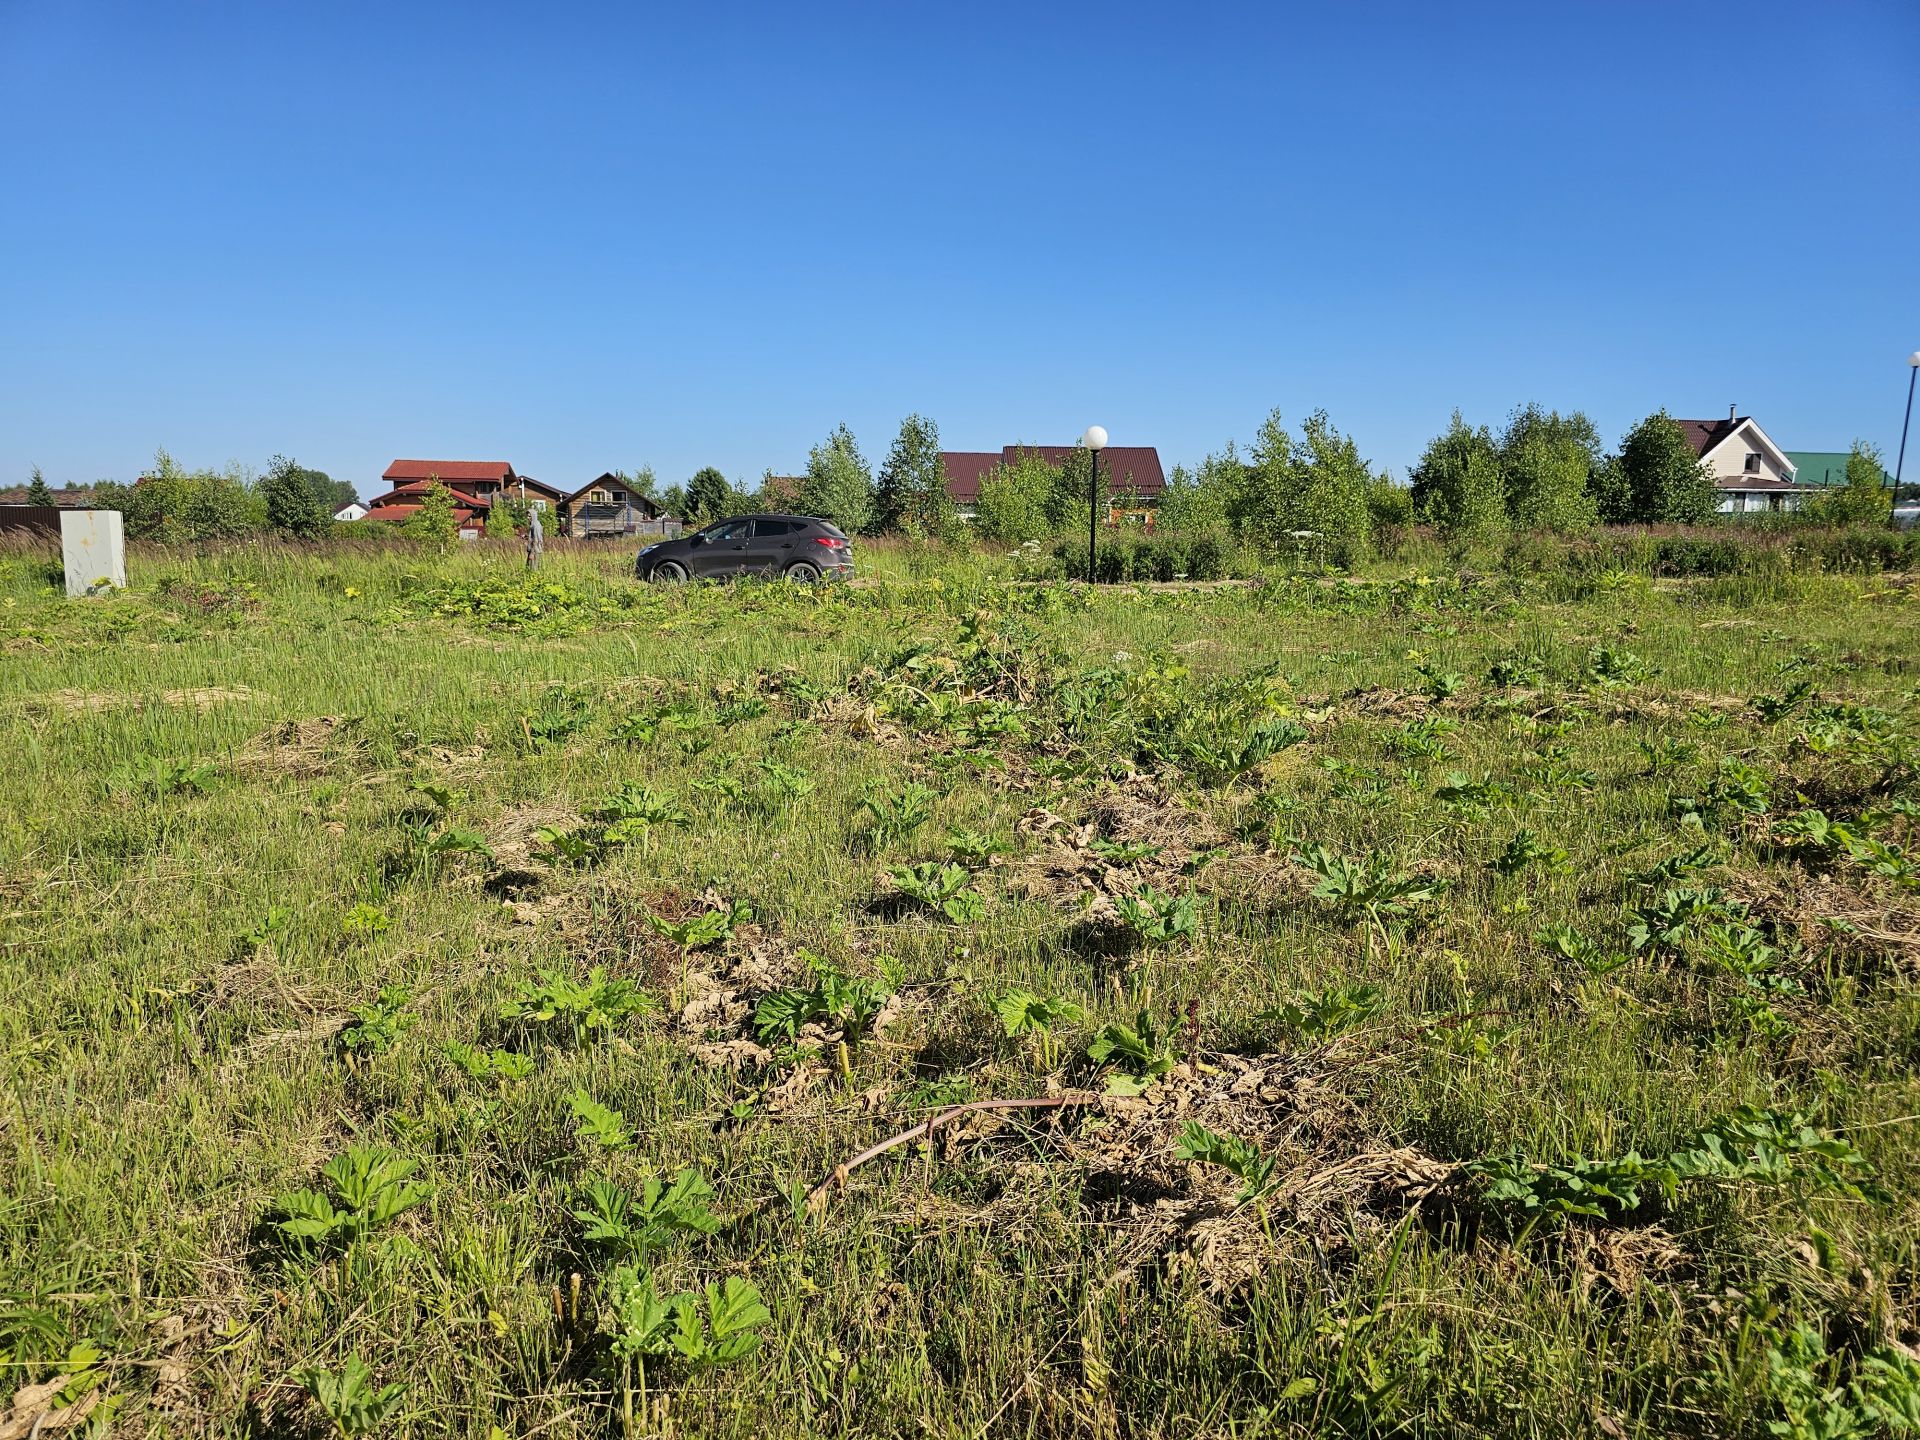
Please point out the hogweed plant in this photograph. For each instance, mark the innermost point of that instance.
(1667, 753)
(1672, 869)
(1242, 1159)
(1570, 943)
(894, 815)
(162, 779)
(365, 919)
(352, 1402)
(784, 783)
(851, 1002)
(1319, 1018)
(634, 803)
(1815, 1401)
(1474, 799)
(1221, 762)
(1517, 671)
(590, 1008)
(1424, 738)
(496, 1065)
(599, 1124)
(443, 798)
(1157, 918)
(718, 1326)
(272, 926)
(1140, 1053)
(1772, 709)
(1367, 888)
(1665, 922)
(638, 1227)
(973, 848)
(1612, 667)
(944, 889)
(1749, 1144)
(453, 840)
(1023, 1013)
(1439, 683)
(738, 712)
(1128, 852)
(1524, 850)
(376, 1027)
(366, 1186)
(703, 929)
(558, 716)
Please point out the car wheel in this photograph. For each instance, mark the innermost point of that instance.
(804, 571)
(670, 572)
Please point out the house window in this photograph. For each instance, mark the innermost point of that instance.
(1753, 462)
(597, 497)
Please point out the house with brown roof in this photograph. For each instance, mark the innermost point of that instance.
(1749, 470)
(609, 507)
(1131, 474)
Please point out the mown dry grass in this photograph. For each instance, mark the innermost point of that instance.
(262, 786)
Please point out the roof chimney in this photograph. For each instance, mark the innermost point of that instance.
(1733, 412)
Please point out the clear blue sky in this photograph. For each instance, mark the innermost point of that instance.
(580, 237)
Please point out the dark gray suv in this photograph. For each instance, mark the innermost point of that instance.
(796, 547)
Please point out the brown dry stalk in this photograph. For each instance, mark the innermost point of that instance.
(837, 1177)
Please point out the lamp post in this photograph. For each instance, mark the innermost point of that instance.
(1899, 464)
(1096, 440)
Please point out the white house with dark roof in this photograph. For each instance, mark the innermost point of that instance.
(1749, 470)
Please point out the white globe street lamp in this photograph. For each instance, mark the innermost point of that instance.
(1095, 440)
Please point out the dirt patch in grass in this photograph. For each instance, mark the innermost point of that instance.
(1338, 1183)
(1377, 700)
(716, 996)
(1871, 924)
(1136, 834)
(200, 700)
(308, 747)
(1193, 1223)
(1620, 1258)
(521, 866)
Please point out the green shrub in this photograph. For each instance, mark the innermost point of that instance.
(1207, 557)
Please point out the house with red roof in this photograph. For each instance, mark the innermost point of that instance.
(475, 484)
(1749, 470)
(1131, 474)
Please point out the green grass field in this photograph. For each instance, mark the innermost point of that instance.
(1470, 1005)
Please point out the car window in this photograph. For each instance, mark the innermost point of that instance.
(732, 530)
(833, 530)
(767, 529)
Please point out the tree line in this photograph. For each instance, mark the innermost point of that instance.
(1540, 471)
(908, 495)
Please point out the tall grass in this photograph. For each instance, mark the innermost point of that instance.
(210, 772)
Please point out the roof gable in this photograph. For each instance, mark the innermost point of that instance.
(607, 480)
(1707, 436)
(411, 492)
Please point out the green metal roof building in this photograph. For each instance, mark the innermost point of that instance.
(1824, 467)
